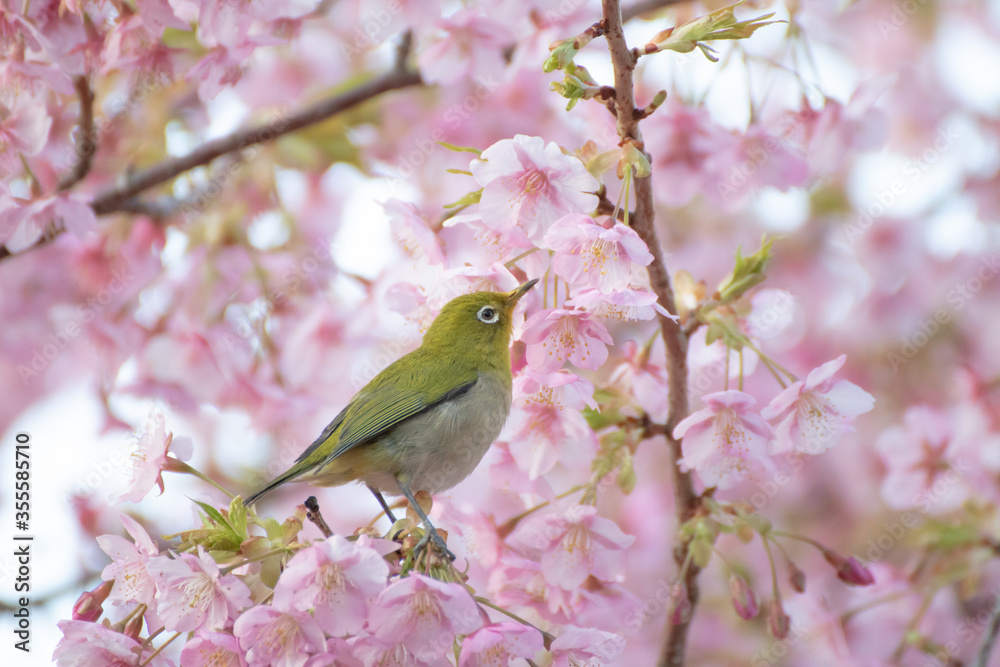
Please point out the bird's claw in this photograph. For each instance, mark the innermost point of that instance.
(431, 535)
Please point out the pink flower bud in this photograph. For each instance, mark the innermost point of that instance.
(88, 606)
(796, 577)
(744, 599)
(133, 628)
(777, 620)
(679, 604)
(849, 570)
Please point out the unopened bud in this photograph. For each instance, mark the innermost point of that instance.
(777, 620)
(680, 605)
(796, 577)
(744, 599)
(89, 606)
(849, 570)
(134, 626)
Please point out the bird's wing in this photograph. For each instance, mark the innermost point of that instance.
(378, 408)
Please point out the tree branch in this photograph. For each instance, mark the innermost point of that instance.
(110, 200)
(86, 143)
(686, 501)
(122, 198)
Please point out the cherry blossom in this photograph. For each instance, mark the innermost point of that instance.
(600, 256)
(423, 614)
(336, 579)
(725, 441)
(213, 649)
(193, 595)
(496, 644)
(149, 457)
(577, 646)
(630, 304)
(574, 545)
(271, 637)
(92, 645)
(472, 46)
(812, 414)
(559, 335)
(128, 566)
(925, 469)
(528, 185)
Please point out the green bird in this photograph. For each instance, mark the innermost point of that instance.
(425, 422)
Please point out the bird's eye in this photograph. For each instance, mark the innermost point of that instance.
(488, 314)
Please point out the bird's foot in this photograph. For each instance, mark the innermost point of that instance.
(431, 535)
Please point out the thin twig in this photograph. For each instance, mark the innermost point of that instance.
(86, 141)
(989, 638)
(686, 501)
(314, 515)
(122, 196)
(110, 200)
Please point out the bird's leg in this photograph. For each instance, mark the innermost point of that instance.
(430, 534)
(385, 506)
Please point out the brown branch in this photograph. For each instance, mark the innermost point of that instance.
(109, 200)
(686, 501)
(86, 143)
(121, 198)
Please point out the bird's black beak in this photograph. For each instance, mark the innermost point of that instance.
(512, 297)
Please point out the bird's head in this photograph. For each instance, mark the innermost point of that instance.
(477, 323)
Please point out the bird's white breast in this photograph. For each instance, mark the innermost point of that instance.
(443, 445)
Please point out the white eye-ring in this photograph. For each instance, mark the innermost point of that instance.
(488, 314)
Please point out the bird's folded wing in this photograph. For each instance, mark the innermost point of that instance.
(375, 410)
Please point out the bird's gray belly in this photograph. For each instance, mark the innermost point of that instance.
(442, 446)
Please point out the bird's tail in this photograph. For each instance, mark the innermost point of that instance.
(286, 476)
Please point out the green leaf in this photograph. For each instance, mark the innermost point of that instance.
(720, 24)
(213, 514)
(747, 273)
(562, 55)
(626, 474)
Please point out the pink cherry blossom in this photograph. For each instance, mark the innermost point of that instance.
(92, 645)
(631, 304)
(594, 254)
(543, 434)
(925, 466)
(413, 232)
(528, 185)
(472, 46)
(725, 442)
(213, 649)
(519, 581)
(812, 414)
(561, 390)
(574, 545)
(149, 457)
(579, 646)
(336, 579)
(559, 335)
(496, 644)
(132, 581)
(374, 652)
(643, 376)
(192, 595)
(423, 614)
(272, 638)
(23, 131)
